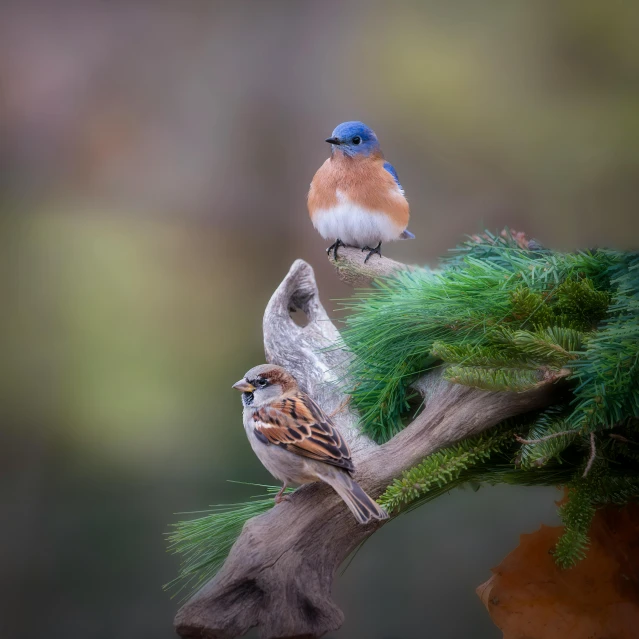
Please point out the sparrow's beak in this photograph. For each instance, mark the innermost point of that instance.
(243, 386)
(336, 141)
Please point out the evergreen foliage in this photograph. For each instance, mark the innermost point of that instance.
(608, 374)
(472, 302)
(496, 379)
(506, 314)
(599, 488)
(205, 542)
(548, 437)
(576, 513)
(445, 468)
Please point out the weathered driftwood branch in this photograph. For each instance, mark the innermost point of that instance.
(351, 268)
(279, 573)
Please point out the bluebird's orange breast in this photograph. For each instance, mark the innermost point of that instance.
(357, 200)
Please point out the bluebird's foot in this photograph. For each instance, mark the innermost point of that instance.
(333, 247)
(377, 249)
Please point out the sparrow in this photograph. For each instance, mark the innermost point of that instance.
(356, 198)
(296, 441)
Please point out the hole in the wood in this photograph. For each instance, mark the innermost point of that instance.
(297, 308)
(298, 316)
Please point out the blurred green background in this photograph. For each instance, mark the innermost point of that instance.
(155, 157)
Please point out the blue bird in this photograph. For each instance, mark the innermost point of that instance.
(356, 198)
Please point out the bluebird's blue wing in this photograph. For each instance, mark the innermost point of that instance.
(406, 235)
(391, 169)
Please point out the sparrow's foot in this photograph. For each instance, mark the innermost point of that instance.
(333, 247)
(280, 497)
(371, 251)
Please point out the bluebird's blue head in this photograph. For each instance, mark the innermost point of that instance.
(354, 138)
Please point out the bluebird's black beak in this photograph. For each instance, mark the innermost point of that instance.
(333, 141)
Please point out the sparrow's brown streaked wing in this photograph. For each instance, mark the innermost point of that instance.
(299, 425)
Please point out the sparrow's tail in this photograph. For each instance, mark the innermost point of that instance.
(359, 503)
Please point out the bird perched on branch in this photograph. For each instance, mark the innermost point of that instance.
(356, 198)
(296, 441)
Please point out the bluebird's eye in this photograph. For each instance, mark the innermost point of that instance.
(357, 139)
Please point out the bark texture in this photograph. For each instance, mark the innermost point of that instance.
(352, 269)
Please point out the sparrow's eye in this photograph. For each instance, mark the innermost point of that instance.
(262, 383)
(357, 139)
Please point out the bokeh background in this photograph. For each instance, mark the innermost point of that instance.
(154, 163)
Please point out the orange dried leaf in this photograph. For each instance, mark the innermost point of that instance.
(529, 597)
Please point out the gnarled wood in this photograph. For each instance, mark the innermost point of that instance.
(279, 573)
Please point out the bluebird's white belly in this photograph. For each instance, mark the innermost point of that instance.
(355, 225)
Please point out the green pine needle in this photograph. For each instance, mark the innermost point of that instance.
(548, 437)
(205, 542)
(608, 373)
(576, 515)
(444, 468)
(494, 379)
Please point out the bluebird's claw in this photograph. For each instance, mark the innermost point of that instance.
(333, 247)
(377, 249)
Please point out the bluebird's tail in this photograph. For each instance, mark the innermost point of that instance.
(406, 235)
(360, 504)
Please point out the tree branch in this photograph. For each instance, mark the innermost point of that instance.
(279, 573)
(352, 270)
